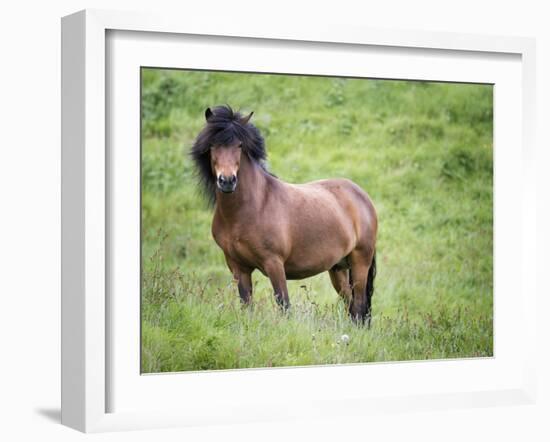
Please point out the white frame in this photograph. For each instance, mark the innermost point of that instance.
(84, 200)
(268, 389)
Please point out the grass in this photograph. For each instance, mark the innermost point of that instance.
(422, 150)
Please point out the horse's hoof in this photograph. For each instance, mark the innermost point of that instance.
(361, 320)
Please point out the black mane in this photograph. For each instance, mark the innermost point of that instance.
(223, 126)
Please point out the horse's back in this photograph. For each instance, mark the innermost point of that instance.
(346, 192)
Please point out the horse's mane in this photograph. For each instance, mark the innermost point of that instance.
(223, 125)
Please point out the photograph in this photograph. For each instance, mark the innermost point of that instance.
(299, 220)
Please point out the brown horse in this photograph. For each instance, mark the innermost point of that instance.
(287, 231)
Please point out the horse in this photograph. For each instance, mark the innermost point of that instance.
(286, 231)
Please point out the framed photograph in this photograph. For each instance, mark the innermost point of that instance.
(292, 223)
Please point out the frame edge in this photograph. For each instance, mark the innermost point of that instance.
(73, 80)
(83, 370)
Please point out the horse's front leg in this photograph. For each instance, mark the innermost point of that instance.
(245, 287)
(275, 271)
(243, 278)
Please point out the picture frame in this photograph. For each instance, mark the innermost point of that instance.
(87, 207)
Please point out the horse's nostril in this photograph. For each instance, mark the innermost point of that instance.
(230, 180)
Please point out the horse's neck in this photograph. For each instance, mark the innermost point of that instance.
(249, 195)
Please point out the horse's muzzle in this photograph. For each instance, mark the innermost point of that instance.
(227, 184)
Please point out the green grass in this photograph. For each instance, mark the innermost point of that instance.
(423, 151)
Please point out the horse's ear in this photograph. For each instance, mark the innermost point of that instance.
(208, 114)
(245, 120)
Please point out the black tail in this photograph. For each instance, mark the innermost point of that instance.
(370, 287)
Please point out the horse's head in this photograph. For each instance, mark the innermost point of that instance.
(227, 139)
(226, 152)
(225, 161)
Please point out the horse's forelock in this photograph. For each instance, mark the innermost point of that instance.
(225, 125)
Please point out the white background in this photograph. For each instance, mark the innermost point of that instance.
(30, 216)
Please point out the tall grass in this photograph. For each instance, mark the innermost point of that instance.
(423, 151)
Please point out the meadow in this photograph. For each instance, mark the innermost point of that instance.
(422, 150)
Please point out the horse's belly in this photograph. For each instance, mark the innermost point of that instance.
(307, 265)
(302, 274)
(317, 250)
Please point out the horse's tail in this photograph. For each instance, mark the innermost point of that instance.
(370, 279)
(370, 288)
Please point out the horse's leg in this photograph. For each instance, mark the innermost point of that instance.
(245, 287)
(275, 271)
(360, 306)
(340, 282)
(243, 278)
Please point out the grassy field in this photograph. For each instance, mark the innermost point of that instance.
(423, 151)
